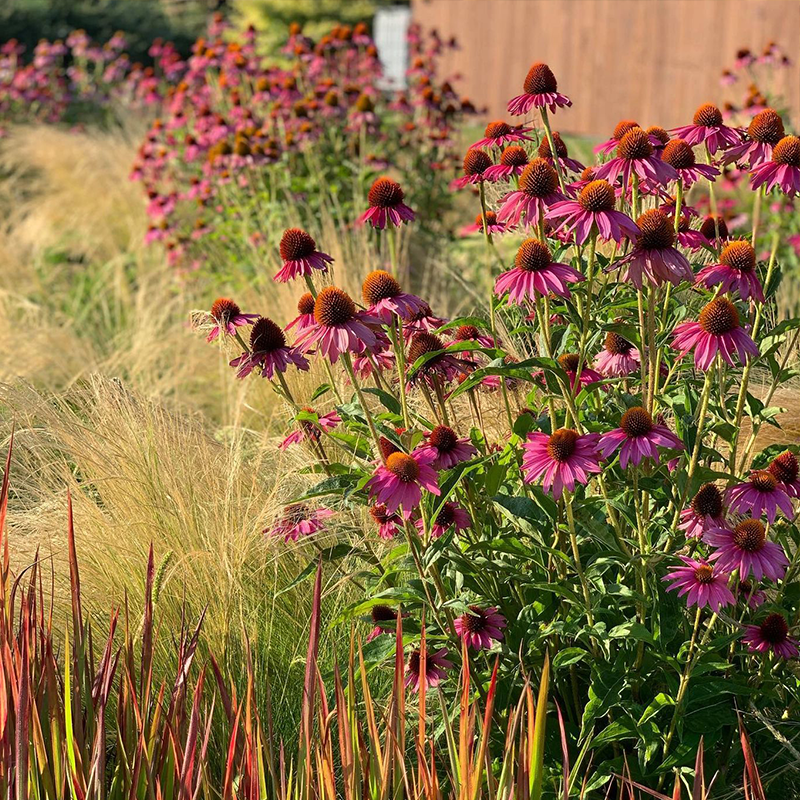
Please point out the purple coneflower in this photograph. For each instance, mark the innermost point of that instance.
(450, 516)
(564, 160)
(535, 273)
(706, 511)
(710, 229)
(746, 548)
(470, 333)
(593, 211)
(435, 665)
(717, 330)
(785, 469)
(305, 313)
(386, 206)
(492, 224)
(736, 271)
(760, 494)
(446, 448)
(562, 459)
(538, 190)
(444, 366)
(618, 358)
(300, 256)
(227, 317)
(299, 520)
(268, 350)
(540, 91)
(384, 298)
(702, 583)
(338, 328)
(750, 594)
(476, 162)
(499, 134)
(513, 161)
(480, 627)
(384, 619)
(640, 438)
(772, 635)
(396, 483)
(636, 155)
(680, 156)
(654, 254)
(707, 128)
(783, 170)
(311, 430)
(389, 524)
(764, 132)
(570, 362)
(622, 127)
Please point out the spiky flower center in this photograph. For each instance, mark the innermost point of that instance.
(383, 614)
(266, 336)
(443, 438)
(561, 148)
(659, 133)
(774, 629)
(704, 574)
(719, 317)
(588, 174)
(617, 345)
(538, 179)
(708, 501)
(766, 127)
(379, 285)
(333, 307)
(305, 305)
(635, 144)
(467, 333)
(385, 193)
(364, 104)
(678, 154)
(622, 127)
(446, 517)
(476, 621)
(749, 535)
(763, 480)
(224, 310)
(496, 129)
(597, 196)
(709, 228)
(380, 514)
(636, 422)
(540, 80)
(785, 467)
(387, 447)
(656, 230)
(787, 152)
(514, 156)
(569, 362)
(403, 466)
(532, 256)
(476, 161)
(331, 98)
(561, 444)
(296, 244)
(296, 514)
(708, 115)
(739, 256)
(422, 343)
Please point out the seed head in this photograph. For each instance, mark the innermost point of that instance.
(532, 256)
(749, 535)
(476, 161)
(223, 310)
(561, 148)
(708, 501)
(708, 115)
(385, 193)
(634, 145)
(719, 317)
(766, 127)
(403, 466)
(540, 80)
(379, 285)
(739, 255)
(296, 244)
(514, 156)
(443, 438)
(617, 345)
(657, 232)
(538, 179)
(333, 307)
(597, 196)
(785, 467)
(787, 152)
(266, 336)
(561, 444)
(636, 422)
(678, 154)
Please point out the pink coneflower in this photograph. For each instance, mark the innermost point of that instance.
(397, 482)
(384, 620)
(492, 224)
(389, 524)
(707, 128)
(386, 206)
(470, 333)
(713, 227)
(538, 190)
(640, 438)
(534, 273)
(440, 367)
(479, 627)
(305, 316)
(570, 362)
(706, 511)
(450, 516)
(513, 161)
(299, 520)
(654, 254)
(311, 430)
(618, 357)
(703, 584)
(750, 594)
(636, 155)
(764, 132)
(300, 256)
(772, 635)
(447, 449)
(476, 162)
(717, 330)
(680, 156)
(268, 350)
(564, 160)
(736, 271)
(366, 365)
(338, 328)
(622, 127)
(760, 494)
(540, 91)
(746, 548)
(593, 211)
(227, 317)
(659, 137)
(435, 665)
(785, 469)
(499, 134)
(384, 298)
(561, 459)
(782, 171)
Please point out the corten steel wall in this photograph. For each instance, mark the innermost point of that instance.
(654, 61)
